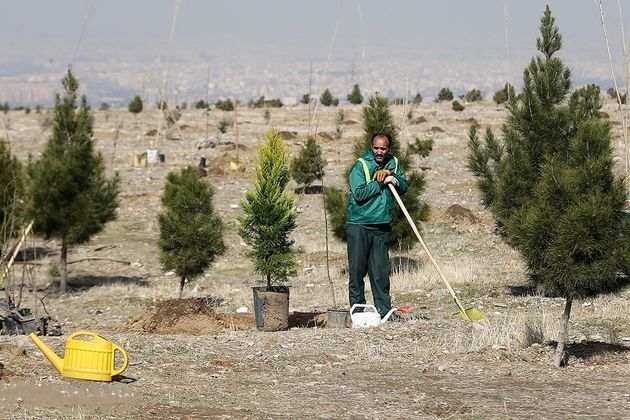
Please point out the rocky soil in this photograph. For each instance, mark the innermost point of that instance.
(198, 358)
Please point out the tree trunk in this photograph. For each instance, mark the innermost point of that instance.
(562, 338)
(182, 282)
(63, 266)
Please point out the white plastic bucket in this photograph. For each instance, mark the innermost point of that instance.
(153, 155)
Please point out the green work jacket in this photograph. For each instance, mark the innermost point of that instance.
(370, 203)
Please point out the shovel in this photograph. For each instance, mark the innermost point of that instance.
(471, 314)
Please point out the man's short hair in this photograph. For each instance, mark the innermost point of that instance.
(387, 136)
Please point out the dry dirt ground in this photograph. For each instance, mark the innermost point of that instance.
(197, 358)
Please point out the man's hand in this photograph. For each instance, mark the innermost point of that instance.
(381, 174)
(391, 179)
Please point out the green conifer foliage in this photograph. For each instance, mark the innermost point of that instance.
(269, 215)
(135, 105)
(71, 198)
(445, 94)
(355, 96)
(309, 164)
(377, 118)
(457, 107)
(550, 184)
(191, 233)
(327, 99)
(11, 192)
(502, 95)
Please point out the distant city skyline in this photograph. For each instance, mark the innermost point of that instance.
(254, 48)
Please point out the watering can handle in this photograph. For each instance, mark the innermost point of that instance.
(125, 359)
(361, 305)
(79, 333)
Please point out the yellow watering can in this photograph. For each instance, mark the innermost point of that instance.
(91, 359)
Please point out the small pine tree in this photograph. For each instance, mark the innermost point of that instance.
(377, 118)
(327, 99)
(550, 184)
(201, 104)
(269, 215)
(417, 100)
(444, 94)
(135, 105)
(11, 192)
(306, 98)
(503, 95)
(225, 105)
(267, 115)
(71, 199)
(421, 147)
(457, 106)
(473, 95)
(191, 233)
(355, 96)
(309, 164)
(612, 92)
(340, 117)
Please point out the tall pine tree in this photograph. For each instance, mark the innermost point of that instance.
(191, 234)
(377, 118)
(550, 184)
(71, 198)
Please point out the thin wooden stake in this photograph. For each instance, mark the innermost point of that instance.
(612, 71)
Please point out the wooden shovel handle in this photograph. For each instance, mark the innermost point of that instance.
(426, 249)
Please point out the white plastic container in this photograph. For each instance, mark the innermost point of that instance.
(367, 318)
(153, 155)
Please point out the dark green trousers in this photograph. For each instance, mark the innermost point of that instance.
(368, 253)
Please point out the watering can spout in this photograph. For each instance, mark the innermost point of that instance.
(56, 361)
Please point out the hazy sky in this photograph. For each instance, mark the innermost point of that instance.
(403, 24)
(447, 41)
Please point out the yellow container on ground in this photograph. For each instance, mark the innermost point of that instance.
(87, 356)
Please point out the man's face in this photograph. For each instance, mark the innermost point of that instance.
(380, 148)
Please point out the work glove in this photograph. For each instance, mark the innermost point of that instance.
(381, 174)
(391, 179)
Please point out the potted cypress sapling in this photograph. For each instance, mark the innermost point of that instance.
(269, 218)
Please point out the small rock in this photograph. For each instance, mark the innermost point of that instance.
(498, 347)
(19, 351)
(242, 310)
(442, 368)
(136, 264)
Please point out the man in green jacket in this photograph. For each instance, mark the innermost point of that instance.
(369, 217)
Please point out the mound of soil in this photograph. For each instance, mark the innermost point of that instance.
(458, 213)
(419, 120)
(194, 316)
(325, 136)
(288, 135)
